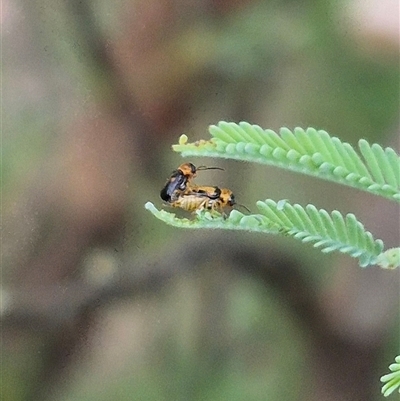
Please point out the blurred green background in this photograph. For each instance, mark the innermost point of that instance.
(101, 301)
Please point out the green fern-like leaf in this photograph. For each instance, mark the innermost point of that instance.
(312, 152)
(330, 232)
(392, 380)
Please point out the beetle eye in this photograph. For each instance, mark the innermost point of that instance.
(192, 168)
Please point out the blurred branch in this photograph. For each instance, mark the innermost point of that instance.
(73, 312)
(105, 79)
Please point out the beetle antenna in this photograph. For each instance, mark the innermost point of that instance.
(243, 206)
(209, 168)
